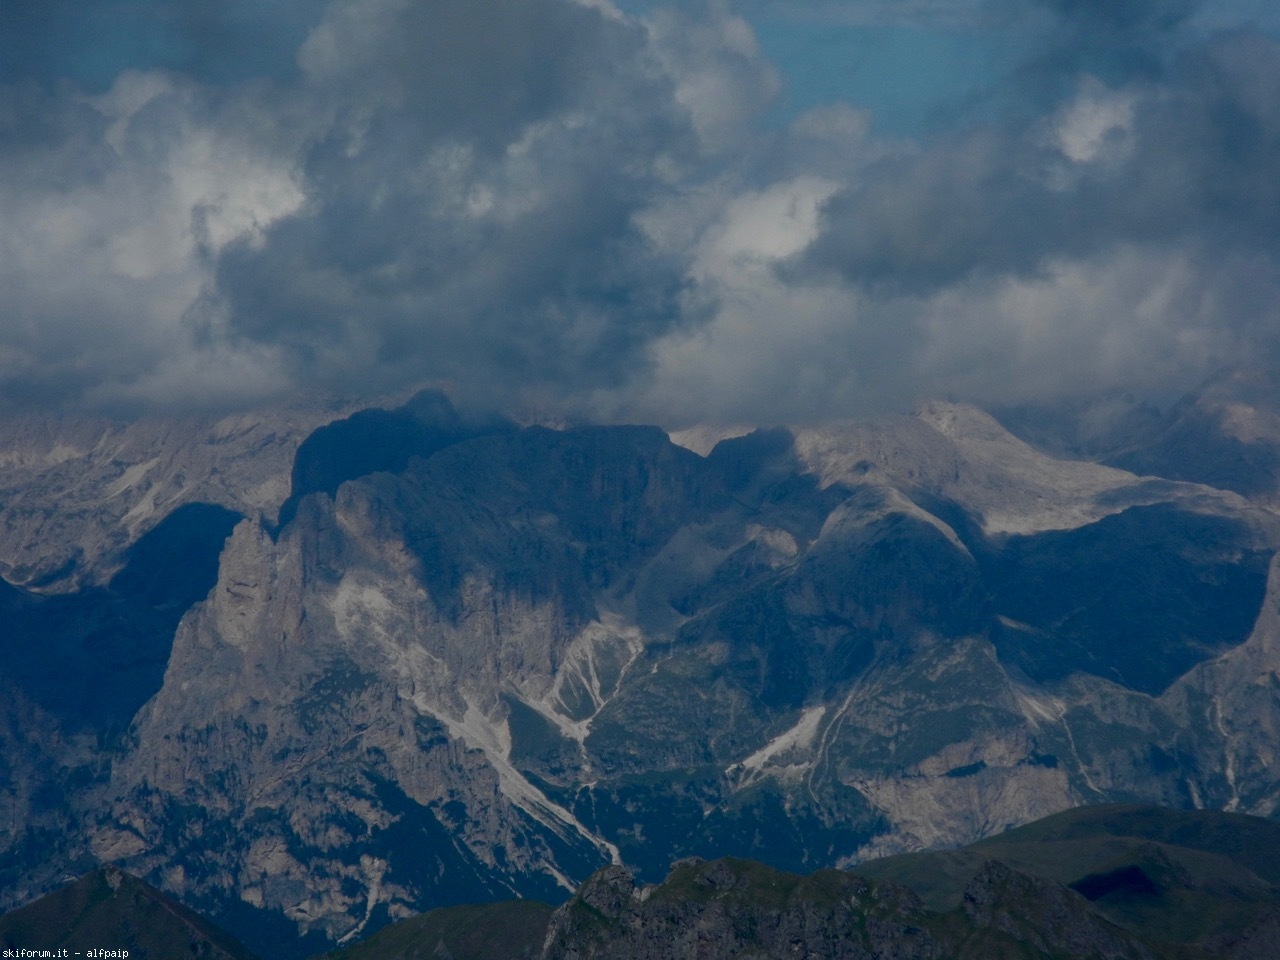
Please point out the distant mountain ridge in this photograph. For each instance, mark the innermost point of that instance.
(1133, 882)
(479, 661)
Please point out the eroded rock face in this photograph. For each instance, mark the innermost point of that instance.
(75, 494)
(531, 653)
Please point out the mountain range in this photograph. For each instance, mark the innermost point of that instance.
(316, 670)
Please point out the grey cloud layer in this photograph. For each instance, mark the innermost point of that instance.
(1190, 160)
(469, 206)
(543, 201)
(1176, 176)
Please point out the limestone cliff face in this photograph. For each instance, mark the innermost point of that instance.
(338, 759)
(347, 685)
(525, 654)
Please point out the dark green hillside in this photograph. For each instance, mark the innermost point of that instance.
(1181, 875)
(111, 910)
(513, 930)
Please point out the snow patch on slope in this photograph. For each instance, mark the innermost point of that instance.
(492, 738)
(799, 737)
(132, 476)
(594, 666)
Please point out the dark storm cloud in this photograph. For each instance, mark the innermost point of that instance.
(433, 190)
(1190, 161)
(470, 205)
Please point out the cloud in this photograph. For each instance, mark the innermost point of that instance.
(721, 77)
(1127, 238)
(111, 204)
(1168, 164)
(549, 202)
(470, 202)
(441, 190)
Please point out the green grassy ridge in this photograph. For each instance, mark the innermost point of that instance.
(1203, 873)
(1253, 842)
(108, 909)
(731, 909)
(508, 930)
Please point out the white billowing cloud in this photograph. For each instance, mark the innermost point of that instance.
(759, 229)
(204, 183)
(1129, 319)
(721, 77)
(768, 348)
(110, 217)
(1097, 123)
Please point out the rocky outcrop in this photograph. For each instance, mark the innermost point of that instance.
(726, 909)
(729, 908)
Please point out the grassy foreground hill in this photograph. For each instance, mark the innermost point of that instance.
(509, 930)
(1169, 875)
(118, 915)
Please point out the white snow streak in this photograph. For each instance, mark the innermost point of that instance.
(799, 737)
(494, 739)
